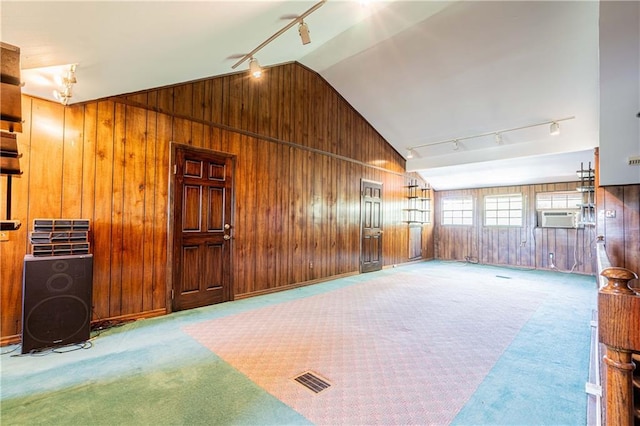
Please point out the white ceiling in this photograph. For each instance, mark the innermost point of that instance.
(418, 71)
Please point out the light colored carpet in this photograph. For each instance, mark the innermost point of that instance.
(396, 350)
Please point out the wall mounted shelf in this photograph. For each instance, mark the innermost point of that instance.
(587, 188)
(418, 210)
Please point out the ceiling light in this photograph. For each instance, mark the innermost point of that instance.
(71, 74)
(303, 30)
(554, 130)
(66, 82)
(254, 68)
(63, 95)
(409, 154)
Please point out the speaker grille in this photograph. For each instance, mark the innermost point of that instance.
(56, 304)
(58, 320)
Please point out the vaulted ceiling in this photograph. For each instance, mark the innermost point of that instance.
(420, 72)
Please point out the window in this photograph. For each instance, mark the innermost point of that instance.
(558, 200)
(457, 211)
(503, 210)
(426, 205)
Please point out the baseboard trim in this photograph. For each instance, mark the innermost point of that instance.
(128, 317)
(292, 286)
(17, 338)
(10, 340)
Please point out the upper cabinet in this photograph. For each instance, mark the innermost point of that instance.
(619, 92)
(10, 92)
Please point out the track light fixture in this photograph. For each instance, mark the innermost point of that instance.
(303, 30)
(254, 68)
(554, 130)
(66, 82)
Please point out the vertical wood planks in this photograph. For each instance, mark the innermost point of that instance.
(631, 214)
(45, 179)
(295, 208)
(117, 212)
(161, 176)
(89, 161)
(150, 189)
(72, 162)
(622, 232)
(133, 210)
(527, 246)
(101, 226)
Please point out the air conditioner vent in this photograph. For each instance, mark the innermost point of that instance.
(558, 218)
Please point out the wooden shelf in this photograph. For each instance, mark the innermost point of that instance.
(10, 89)
(418, 210)
(9, 156)
(587, 188)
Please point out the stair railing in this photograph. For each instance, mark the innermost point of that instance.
(619, 332)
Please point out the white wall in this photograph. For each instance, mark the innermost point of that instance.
(619, 91)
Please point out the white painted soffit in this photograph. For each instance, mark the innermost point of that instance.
(513, 171)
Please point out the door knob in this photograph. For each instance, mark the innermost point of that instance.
(227, 226)
(227, 237)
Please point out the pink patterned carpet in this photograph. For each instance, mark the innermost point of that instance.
(400, 349)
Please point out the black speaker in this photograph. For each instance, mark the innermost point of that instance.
(56, 301)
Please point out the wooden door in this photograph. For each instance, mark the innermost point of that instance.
(371, 246)
(415, 242)
(202, 214)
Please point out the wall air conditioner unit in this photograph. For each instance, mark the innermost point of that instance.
(559, 218)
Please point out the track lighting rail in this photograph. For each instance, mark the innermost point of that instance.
(497, 133)
(299, 19)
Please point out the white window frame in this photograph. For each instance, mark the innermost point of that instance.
(456, 211)
(558, 200)
(504, 210)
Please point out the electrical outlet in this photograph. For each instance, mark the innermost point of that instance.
(4, 236)
(551, 256)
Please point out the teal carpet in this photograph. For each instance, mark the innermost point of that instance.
(151, 372)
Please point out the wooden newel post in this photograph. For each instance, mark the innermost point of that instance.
(619, 328)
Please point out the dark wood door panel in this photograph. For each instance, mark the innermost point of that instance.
(371, 227)
(202, 226)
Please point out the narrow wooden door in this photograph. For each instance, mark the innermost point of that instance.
(202, 208)
(371, 245)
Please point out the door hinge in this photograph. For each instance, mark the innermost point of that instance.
(175, 169)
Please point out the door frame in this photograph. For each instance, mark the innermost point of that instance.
(174, 146)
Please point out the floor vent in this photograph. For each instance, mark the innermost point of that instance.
(503, 276)
(312, 382)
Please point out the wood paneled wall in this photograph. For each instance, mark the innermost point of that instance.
(621, 232)
(527, 246)
(301, 153)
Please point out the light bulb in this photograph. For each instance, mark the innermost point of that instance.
(254, 68)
